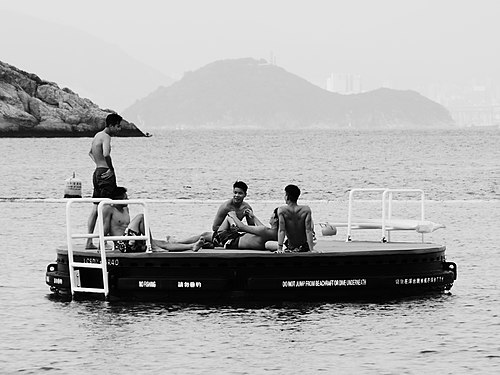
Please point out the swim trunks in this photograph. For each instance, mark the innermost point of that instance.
(133, 246)
(103, 187)
(304, 248)
(228, 238)
(216, 240)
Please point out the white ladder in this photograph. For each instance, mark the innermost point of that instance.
(74, 272)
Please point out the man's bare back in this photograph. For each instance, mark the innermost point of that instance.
(295, 223)
(100, 148)
(297, 219)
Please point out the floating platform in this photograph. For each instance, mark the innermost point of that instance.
(335, 270)
(339, 270)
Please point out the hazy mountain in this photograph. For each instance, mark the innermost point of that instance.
(248, 92)
(96, 70)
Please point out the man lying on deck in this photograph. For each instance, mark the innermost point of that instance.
(254, 237)
(234, 234)
(117, 223)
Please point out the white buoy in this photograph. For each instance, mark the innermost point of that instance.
(73, 188)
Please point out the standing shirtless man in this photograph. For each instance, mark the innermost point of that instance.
(103, 179)
(295, 221)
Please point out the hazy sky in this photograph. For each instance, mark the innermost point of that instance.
(405, 43)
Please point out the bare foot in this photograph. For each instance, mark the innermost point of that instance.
(198, 244)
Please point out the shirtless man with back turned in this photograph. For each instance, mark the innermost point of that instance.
(295, 221)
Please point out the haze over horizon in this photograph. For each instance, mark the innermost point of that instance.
(391, 43)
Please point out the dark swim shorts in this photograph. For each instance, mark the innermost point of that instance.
(134, 246)
(103, 187)
(304, 248)
(228, 238)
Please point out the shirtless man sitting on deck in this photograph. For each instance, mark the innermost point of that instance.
(295, 221)
(235, 204)
(117, 222)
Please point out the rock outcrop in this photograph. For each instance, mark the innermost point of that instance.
(32, 107)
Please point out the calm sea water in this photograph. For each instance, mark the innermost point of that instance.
(185, 175)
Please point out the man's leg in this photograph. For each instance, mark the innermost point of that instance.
(137, 224)
(207, 236)
(226, 224)
(195, 246)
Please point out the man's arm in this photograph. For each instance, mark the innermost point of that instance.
(106, 152)
(107, 215)
(250, 216)
(309, 229)
(253, 229)
(219, 216)
(281, 230)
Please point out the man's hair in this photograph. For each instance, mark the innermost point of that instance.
(113, 119)
(118, 192)
(241, 185)
(275, 212)
(292, 192)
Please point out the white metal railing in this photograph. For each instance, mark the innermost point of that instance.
(349, 211)
(387, 198)
(74, 273)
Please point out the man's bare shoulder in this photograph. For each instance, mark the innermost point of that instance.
(283, 209)
(108, 208)
(246, 205)
(297, 211)
(226, 205)
(99, 138)
(304, 208)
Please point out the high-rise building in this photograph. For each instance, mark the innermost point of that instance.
(344, 83)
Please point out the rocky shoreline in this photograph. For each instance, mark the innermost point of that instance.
(32, 107)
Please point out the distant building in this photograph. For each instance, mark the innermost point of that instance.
(344, 83)
(475, 104)
(476, 115)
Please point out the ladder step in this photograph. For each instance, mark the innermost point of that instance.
(127, 238)
(109, 238)
(86, 265)
(85, 235)
(88, 290)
